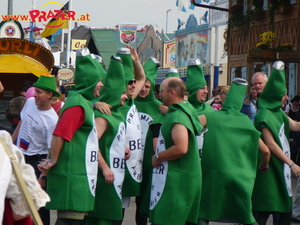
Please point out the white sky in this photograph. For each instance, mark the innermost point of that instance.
(108, 13)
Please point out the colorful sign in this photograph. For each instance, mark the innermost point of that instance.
(169, 55)
(78, 44)
(65, 74)
(27, 48)
(192, 46)
(127, 33)
(11, 29)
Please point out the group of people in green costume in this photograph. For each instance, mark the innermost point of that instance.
(185, 163)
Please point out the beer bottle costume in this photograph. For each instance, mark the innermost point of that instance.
(229, 161)
(133, 166)
(194, 81)
(272, 190)
(108, 202)
(172, 72)
(148, 109)
(176, 184)
(72, 181)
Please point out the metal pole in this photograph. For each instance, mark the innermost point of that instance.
(69, 38)
(167, 20)
(208, 6)
(10, 7)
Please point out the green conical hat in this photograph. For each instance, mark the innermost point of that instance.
(172, 72)
(100, 66)
(271, 96)
(195, 76)
(194, 81)
(114, 85)
(86, 74)
(125, 55)
(150, 68)
(48, 83)
(235, 96)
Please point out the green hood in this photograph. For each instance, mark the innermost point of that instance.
(172, 72)
(114, 85)
(235, 97)
(86, 75)
(271, 96)
(150, 68)
(194, 80)
(125, 55)
(100, 66)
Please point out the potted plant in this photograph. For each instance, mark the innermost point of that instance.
(262, 49)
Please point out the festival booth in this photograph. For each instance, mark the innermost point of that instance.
(21, 63)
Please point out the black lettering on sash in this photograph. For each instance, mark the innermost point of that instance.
(93, 156)
(118, 163)
(161, 142)
(135, 144)
(159, 169)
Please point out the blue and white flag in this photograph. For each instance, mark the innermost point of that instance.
(181, 5)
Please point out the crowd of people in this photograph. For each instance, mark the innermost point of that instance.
(185, 161)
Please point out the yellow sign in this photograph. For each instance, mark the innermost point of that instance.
(78, 44)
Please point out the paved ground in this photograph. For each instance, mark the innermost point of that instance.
(130, 212)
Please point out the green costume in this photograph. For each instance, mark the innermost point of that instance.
(148, 109)
(194, 81)
(272, 190)
(100, 66)
(229, 161)
(133, 170)
(176, 184)
(172, 72)
(72, 181)
(108, 202)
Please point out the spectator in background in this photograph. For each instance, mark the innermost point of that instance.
(57, 104)
(217, 103)
(249, 107)
(292, 110)
(14, 108)
(1, 87)
(224, 92)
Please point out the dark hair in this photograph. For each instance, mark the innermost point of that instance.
(23, 89)
(296, 98)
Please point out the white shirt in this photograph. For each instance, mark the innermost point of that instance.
(36, 129)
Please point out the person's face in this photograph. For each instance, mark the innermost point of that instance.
(295, 103)
(202, 94)
(217, 98)
(42, 97)
(259, 83)
(97, 89)
(145, 90)
(123, 98)
(284, 100)
(130, 88)
(223, 96)
(253, 92)
(164, 93)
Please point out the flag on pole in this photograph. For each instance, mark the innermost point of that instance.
(181, 5)
(56, 23)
